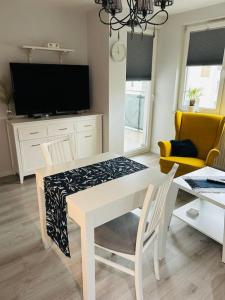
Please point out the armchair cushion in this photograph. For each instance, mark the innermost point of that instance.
(183, 148)
(186, 164)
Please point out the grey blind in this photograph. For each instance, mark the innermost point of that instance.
(139, 57)
(206, 47)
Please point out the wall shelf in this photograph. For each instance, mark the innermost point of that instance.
(60, 51)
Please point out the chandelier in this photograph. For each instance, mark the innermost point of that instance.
(141, 13)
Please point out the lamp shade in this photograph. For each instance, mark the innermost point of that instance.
(163, 3)
(145, 7)
(111, 6)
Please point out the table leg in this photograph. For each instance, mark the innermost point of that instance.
(41, 203)
(88, 261)
(164, 226)
(223, 251)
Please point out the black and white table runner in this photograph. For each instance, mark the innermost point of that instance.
(58, 186)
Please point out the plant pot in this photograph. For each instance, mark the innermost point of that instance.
(192, 108)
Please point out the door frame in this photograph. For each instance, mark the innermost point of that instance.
(147, 148)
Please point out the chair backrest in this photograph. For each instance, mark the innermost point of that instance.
(153, 208)
(204, 130)
(58, 151)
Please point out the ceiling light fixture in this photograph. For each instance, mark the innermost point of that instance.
(141, 13)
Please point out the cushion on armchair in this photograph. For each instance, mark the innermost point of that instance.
(183, 148)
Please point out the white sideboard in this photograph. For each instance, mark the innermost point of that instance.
(26, 135)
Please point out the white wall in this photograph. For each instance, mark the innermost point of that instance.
(23, 22)
(117, 79)
(108, 82)
(98, 60)
(169, 55)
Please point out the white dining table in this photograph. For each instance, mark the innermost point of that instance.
(97, 205)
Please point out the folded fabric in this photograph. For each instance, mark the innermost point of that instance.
(183, 148)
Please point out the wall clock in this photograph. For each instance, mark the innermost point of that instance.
(118, 51)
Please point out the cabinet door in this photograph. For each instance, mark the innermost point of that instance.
(32, 157)
(88, 144)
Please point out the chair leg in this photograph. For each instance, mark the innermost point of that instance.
(138, 279)
(156, 259)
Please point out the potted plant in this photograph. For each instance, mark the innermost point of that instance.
(193, 96)
(6, 97)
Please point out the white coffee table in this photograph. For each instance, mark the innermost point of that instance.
(211, 206)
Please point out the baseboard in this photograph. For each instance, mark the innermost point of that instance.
(6, 173)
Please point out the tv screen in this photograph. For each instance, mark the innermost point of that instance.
(48, 88)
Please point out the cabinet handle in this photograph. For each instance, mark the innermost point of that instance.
(62, 128)
(87, 125)
(36, 145)
(88, 136)
(36, 132)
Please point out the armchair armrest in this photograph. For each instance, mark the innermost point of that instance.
(211, 156)
(165, 148)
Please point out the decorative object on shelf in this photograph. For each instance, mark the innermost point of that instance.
(53, 45)
(141, 13)
(60, 51)
(193, 96)
(118, 51)
(192, 212)
(6, 97)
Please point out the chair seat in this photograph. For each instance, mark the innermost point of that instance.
(119, 234)
(186, 164)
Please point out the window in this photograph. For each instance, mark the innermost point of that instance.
(203, 69)
(137, 98)
(207, 80)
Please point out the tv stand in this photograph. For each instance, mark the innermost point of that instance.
(26, 135)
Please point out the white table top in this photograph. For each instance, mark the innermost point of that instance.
(105, 195)
(215, 198)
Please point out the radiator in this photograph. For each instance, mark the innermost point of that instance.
(220, 161)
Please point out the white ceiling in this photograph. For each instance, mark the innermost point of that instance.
(178, 7)
(185, 5)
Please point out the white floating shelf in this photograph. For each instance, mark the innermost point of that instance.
(210, 220)
(60, 51)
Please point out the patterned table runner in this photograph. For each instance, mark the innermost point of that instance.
(58, 186)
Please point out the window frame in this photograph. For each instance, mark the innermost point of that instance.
(220, 107)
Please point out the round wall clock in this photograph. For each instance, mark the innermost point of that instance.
(118, 52)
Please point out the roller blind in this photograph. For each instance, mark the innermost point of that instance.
(139, 57)
(206, 47)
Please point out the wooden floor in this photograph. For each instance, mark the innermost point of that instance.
(192, 268)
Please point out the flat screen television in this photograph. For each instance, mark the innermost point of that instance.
(48, 88)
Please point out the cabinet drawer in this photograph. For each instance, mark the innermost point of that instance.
(86, 125)
(34, 132)
(88, 144)
(32, 157)
(60, 129)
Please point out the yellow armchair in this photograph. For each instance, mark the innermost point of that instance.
(204, 130)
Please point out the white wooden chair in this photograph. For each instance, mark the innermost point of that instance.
(58, 151)
(129, 235)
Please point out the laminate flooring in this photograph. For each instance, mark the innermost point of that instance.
(192, 268)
